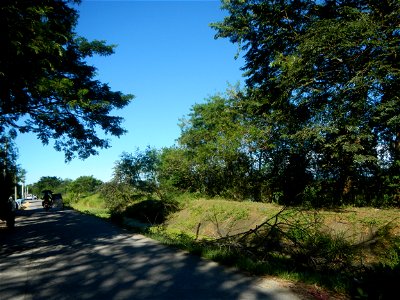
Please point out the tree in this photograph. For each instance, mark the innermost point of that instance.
(8, 173)
(135, 175)
(326, 74)
(216, 138)
(176, 171)
(46, 86)
(138, 170)
(52, 183)
(83, 185)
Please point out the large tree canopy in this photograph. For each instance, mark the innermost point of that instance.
(327, 75)
(46, 86)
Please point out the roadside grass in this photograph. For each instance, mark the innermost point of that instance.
(92, 205)
(275, 264)
(343, 250)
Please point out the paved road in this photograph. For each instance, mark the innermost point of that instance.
(67, 255)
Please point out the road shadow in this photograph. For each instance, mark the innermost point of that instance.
(67, 255)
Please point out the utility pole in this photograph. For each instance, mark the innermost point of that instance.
(5, 161)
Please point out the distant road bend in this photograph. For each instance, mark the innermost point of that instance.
(67, 255)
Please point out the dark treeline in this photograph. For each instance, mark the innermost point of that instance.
(225, 150)
(80, 187)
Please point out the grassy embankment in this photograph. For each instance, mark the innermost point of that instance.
(362, 242)
(92, 204)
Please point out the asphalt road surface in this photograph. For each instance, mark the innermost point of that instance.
(62, 254)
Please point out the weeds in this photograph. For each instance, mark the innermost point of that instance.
(295, 241)
(345, 250)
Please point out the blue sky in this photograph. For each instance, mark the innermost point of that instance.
(166, 56)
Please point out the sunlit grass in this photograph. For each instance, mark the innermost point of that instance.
(93, 205)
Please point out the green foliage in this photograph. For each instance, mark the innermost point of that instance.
(379, 281)
(92, 204)
(323, 251)
(136, 177)
(53, 183)
(117, 196)
(46, 86)
(83, 186)
(219, 143)
(139, 170)
(323, 76)
(176, 171)
(73, 189)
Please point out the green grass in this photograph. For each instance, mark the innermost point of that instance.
(93, 205)
(201, 220)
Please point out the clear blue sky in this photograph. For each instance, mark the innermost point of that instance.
(166, 56)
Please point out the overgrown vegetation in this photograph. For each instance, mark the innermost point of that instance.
(321, 105)
(313, 135)
(298, 244)
(316, 124)
(91, 204)
(352, 251)
(341, 248)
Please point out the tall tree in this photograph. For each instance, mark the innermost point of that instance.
(83, 186)
(46, 86)
(52, 183)
(327, 74)
(138, 170)
(216, 140)
(176, 171)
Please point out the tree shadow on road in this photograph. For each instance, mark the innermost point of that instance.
(67, 255)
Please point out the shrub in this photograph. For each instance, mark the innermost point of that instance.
(151, 211)
(117, 196)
